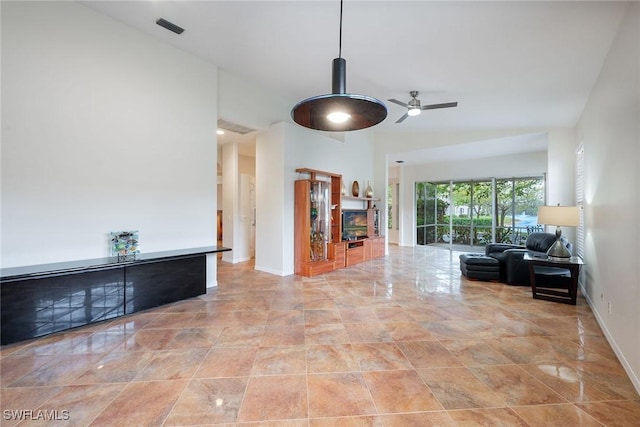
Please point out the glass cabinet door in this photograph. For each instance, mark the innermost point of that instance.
(320, 220)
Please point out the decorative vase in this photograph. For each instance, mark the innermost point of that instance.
(355, 189)
(344, 189)
(368, 193)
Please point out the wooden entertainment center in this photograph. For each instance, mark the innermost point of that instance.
(321, 244)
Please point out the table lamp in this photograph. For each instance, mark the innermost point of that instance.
(558, 216)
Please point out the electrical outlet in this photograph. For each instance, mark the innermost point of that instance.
(609, 307)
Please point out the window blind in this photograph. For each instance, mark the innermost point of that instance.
(580, 231)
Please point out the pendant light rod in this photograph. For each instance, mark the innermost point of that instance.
(340, 37)
(339, 75)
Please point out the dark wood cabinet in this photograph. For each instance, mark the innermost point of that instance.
(44, 305)
(154, 284)
(43, 299)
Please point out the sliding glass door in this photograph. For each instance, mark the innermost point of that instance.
(517, 203)
(432, 210)
(481, 214)
(474, 213)
(425, 208)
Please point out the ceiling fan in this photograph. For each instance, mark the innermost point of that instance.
(414, 107)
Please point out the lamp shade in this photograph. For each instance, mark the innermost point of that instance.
(559, 215)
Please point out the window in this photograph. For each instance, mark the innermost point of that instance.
(580, 200)
(474, 213)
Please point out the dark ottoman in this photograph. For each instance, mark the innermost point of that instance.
(479, 267)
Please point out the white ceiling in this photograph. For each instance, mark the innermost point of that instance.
(509, 64)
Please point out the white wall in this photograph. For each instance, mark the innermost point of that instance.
(103, 128)
(275, 176)
(610, 131)
(247, 165)
(230, 202)
(405, 142)
(243, 102)
(527, 164)
(561, 177)
(561, 174)
(271, 212)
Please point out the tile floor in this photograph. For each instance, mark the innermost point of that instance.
(399, 341)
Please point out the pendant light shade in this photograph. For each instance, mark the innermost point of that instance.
(339, 111)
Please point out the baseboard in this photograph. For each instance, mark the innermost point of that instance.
(612, 342)
(272, 271)
(232, 260)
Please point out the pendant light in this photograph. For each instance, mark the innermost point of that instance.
(339, 111)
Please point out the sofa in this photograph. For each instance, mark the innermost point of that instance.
(514, 270)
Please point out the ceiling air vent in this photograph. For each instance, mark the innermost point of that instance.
(169, 26)
(233, 127)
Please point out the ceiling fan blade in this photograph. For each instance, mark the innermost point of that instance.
(434, 106)
(401, 119)
(402, 104)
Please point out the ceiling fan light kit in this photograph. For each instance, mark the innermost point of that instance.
(339, 111)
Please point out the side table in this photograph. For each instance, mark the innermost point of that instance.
(549, 280)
